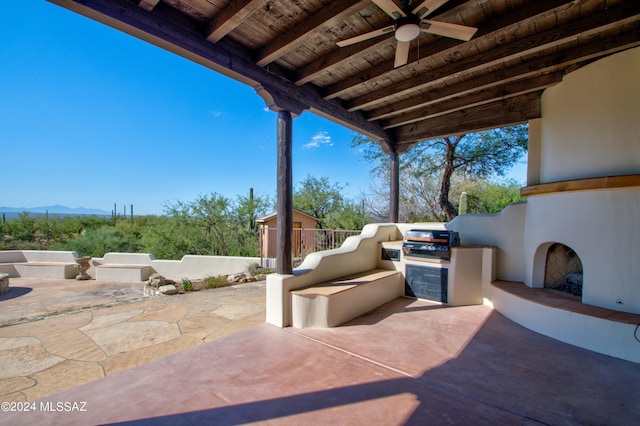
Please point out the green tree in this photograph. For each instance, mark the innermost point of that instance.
(489, 197)
(473, 156)
(96, 242)
(324, 200)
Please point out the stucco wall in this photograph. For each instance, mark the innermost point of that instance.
(590, 121)
(590, 127)
(504, 230)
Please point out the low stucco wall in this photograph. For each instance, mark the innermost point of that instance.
(12, 256)
(192, 267)
(198, 267)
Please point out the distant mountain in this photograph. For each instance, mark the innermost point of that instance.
(57, 209)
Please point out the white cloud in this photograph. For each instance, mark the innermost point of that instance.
(319, 139)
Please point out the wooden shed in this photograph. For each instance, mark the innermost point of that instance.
(268, 230)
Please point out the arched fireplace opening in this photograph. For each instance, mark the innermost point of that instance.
(563, 270)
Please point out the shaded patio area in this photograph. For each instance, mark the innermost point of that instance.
(408, 362)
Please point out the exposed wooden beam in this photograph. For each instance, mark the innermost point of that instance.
(547, 64)
(507, 112)
(507, 80)
(446, 46)
(177, 33)
(625, 14)
(148, 5)
(482, 97)
(230, 17)
(328, 15)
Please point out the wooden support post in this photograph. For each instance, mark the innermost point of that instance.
(284, 264)
(394, 194)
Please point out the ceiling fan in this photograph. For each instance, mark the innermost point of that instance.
(409, 24)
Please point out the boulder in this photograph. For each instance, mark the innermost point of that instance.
(237, 278)
(156, 280)
(168, 289)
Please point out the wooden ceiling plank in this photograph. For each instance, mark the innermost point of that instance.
(526, 69)
(626, 13)
(328, 15)
(148, 5)
(231, 17)
(441, 46)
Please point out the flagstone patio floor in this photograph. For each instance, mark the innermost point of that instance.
(407, 362)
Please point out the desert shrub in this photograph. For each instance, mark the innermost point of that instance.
(187, 285)
(215, 282)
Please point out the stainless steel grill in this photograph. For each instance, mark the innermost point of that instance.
(427, 243)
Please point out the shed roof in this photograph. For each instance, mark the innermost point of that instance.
(275, 214)
(286, 50)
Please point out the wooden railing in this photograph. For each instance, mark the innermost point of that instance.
(305, 241)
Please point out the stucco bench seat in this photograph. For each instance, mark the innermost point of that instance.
(57, 270)
(38, 263)
(335, 302)
(123, 273)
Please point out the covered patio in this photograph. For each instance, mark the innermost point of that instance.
(568, 68)
(408, 362)
(396, 71)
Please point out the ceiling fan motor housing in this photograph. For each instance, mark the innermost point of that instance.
(407, 28)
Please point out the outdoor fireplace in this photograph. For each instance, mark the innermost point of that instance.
(563, 270)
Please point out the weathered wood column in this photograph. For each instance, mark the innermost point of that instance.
(284, 261)
(287, 107)
(394, 195)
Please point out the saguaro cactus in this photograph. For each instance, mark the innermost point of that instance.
(464, 204)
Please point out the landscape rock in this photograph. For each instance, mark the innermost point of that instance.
(156, 280)
(237, 278)
(168, 289)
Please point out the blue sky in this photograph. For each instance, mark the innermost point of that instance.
(90, 117)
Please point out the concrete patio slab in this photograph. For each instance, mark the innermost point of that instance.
(408, 362)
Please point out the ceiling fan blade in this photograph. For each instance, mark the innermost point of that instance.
(447, 29)
(402, 53)
(367, 36)
(427, 7)
(390, 8)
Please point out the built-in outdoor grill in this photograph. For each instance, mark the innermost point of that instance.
(426, 243)
(435, 266)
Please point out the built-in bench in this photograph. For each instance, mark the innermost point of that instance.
(566, 318)
(335, 302)
(38, 264)
(124, 267)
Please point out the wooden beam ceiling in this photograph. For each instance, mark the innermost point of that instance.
(286, 50)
